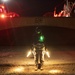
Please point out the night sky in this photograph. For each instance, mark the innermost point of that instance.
(34, 7)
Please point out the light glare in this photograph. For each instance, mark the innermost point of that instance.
(3, 7)
(28, 53)
(2, 16)
(4, 0)
(18, 69)
(55, 71)
(47, 53)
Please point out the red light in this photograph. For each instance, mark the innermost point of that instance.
(11, 16)
(2, 16)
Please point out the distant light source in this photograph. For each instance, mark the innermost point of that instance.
(4, 0)
(11, 16)
(3, 16)
(55, 71)
(3, 6)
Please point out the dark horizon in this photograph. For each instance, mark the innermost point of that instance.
(34, 7)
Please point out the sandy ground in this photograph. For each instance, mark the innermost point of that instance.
(55, 69)
(59, 63)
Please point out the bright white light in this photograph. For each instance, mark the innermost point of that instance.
(4, 0)
(3, 16)
(29, 53)
(47, 53)
(55, 71)
(19, 69)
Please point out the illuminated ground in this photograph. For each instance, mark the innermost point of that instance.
(67, 69)
(60, 63)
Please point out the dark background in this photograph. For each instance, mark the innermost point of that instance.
(34, 7)
(22, 36)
